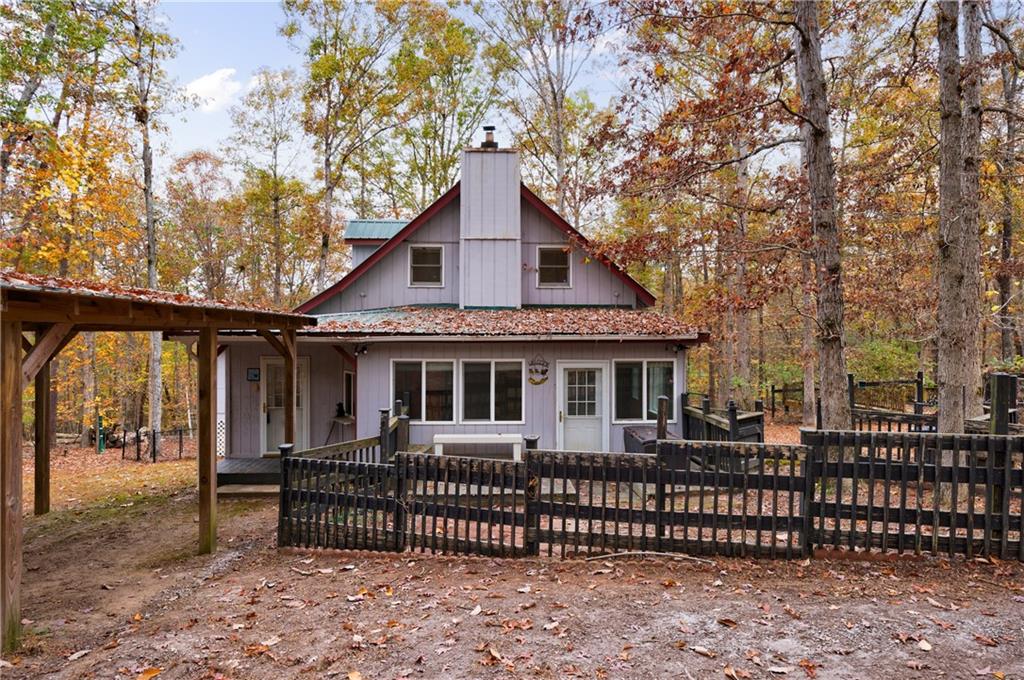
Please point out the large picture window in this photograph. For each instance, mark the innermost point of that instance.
(426, 266)
(637, 386)
(492, 391)
(553, 267)
(427, 388)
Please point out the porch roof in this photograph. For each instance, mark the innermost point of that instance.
(529, 322)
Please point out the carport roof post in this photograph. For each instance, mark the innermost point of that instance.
(54, 311)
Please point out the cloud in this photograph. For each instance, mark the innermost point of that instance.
(216, 90)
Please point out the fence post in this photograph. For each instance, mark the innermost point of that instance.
(684, 402)
(663, 417)
(759, 408)
(734, 421)
(403, 433)
(705, 407)
(810, 461)
(999, 413)
(138, 444)
(181, 441)
(283, 514)
(531, 508)
(153, 445)
(385, 435)
(919, 393)
(773, 402)
(851, 387)
(817, 413)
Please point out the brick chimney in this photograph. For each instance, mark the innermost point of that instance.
(490, 251)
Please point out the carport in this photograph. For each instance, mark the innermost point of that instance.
(39, 316)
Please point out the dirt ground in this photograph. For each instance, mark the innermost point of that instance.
(112, 589)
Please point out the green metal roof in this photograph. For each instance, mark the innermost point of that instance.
(373, 229)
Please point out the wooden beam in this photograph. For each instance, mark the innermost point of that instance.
(290, 383)
(273, 341)
(207, 353)
(42, 442)
(46, 346)
(10, 484)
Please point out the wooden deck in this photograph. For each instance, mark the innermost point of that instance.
(248, 471)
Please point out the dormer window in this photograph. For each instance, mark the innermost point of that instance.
(553, 267)
(426, 266)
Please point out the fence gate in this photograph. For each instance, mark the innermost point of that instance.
(467, 506)
(340, 504)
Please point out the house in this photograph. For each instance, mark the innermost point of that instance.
(486, 314)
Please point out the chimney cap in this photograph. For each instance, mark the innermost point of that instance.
(489, 142)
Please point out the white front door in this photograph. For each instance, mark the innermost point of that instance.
(582, 406)
(272, 398)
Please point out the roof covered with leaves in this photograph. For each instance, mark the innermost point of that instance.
(527, 322)
(34, 283)
(377, 230)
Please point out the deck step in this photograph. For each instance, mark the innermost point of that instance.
(248, 471)
(248, 491)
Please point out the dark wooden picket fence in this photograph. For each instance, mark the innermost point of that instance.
(916, 492)
(709, 499)
(887, 491)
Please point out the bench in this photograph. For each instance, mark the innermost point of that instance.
(516, 440)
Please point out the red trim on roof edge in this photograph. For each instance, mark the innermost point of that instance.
(365, 241)
(379, 254)
(547, 211)
(557, 220)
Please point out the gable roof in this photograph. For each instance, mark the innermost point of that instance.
(373, 230)
(533, 322)
(545, 210)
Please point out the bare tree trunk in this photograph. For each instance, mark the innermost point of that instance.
(325, 233)
(90, 408)
(970, 188)
(741, 321)
(1010, 75)
(807, 346)
(824, 229)
(951, 316)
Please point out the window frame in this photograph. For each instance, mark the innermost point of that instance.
(462, 392)
(423, 387)
(643, 389)
(349, 395)
(411, 283)
(567, 249)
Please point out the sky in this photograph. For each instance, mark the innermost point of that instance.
(221, 45)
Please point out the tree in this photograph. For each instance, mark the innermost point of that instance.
(143, 48)
(262, 144)
(951, 266)
(205, 237)
(835, 409)
(359, 75)
(971, 212)
(544, 46)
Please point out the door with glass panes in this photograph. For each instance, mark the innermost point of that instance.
(272, 398)
(582, 407)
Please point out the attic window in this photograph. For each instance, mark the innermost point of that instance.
(426, 266)
(553, 267)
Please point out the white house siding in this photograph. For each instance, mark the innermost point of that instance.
(374, 389)
(246, 413)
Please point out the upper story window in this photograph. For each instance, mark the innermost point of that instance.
(554, 268)
(426, 266)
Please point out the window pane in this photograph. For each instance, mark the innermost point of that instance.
(426, 255)
(659, 382)
(508, 390)
(476, 390)
(553, 267)
(628, 386)
(408, 383)
(426, 265)
(440, 391)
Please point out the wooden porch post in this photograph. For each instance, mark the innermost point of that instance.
(207, 357)
(290, 385)
(42, 443)
(10, 484)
